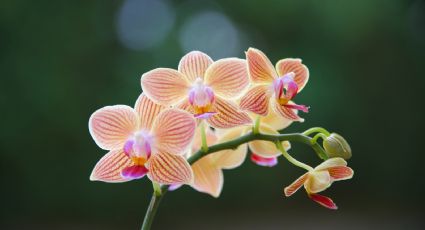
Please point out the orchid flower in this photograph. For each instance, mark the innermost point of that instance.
(147, 140)
(320, 178)
(274, 86)
(201, 87)
(264, 153)
(208, 171)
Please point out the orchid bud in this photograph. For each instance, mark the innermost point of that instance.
(336, 146)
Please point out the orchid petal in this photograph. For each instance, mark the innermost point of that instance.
(165, 86)
(228, 115)
(331, 162)
(194, 65)
(109, 167)
(260, 68)
(134, 172)
(174, 187)
(256, 100)
(111, 126)
(227, 77)
(266, 148)
(318, 181)
(297, 184)
(173, 131)
(286, 112)
(294, 65)
(264, 161)
(207, 177)
(229, 159)
(147, 111)
(324, 201)
(275, 120)
(340, 173)
(165, 168)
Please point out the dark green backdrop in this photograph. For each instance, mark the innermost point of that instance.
(62, 60)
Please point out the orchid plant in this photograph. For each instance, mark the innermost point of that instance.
(191, 123)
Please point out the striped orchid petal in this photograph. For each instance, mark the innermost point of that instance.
(110, 126)
(229, 159)
(147, 111)
(194, 65)
(267, 148)
(331, 162)
(110, 166)
(324, 201)
(286, 112)
(318, 181)
(264, 161)
(208, 178)
(275, 120)
(260, 68)
(297, 184)
(228, 77)
(174, 130)
(340, 173)
(295, 66)
(256, 100)
(165, 86)
(228, 115)
(165, 168)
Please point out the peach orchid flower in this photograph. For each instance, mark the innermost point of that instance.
(264, 153)
(274, 86)
(201, 87)
(208, 171)
(320, 178)
(147, 140)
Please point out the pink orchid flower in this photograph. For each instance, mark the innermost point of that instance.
(264, 153)
(201, 87)
(276, 87)
(147, 140)
(208, 171)
(320, 178)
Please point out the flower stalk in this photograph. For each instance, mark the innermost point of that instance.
(233, 144)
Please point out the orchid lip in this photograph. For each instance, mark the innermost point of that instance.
(204, 115)
(303, 108)
(139, 145)
(264, 161)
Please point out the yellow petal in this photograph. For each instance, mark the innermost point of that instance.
(109, 167)
(165, 168)
(173, 131)
(194, 65)
(229, 159)
(147, 111)
(275, 120)
(285, 112)
(318, 181)
(207, 177)
(165, 86)
(331, 162)
(267, 148)
(256, 100)
(228, 77)
(260, 68)
(294, 65)
(111, 126)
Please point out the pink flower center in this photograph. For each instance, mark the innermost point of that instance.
(201, 98)
(285, 89)
(139, 147)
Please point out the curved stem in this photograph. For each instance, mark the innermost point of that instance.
(316, 130)
(291, 159)
(317, 136)
(233, 144)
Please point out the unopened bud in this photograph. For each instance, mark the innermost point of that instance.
(336, 146)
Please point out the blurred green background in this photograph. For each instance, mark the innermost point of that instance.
(62, 60)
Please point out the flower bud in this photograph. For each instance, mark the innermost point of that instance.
(336, 146)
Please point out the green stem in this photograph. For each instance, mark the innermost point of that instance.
(316, 130)
(256, 127)
(233, 144)
(317, 136)
(290, 158)
(204, 146)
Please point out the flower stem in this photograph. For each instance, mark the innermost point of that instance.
(316, 130)
(317, 136)
(233, 144)
(204, 146)
(290, 158)
(256, 127)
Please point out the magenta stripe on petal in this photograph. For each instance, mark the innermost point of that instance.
(205, 115)
(264, 161)
(134, 172)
